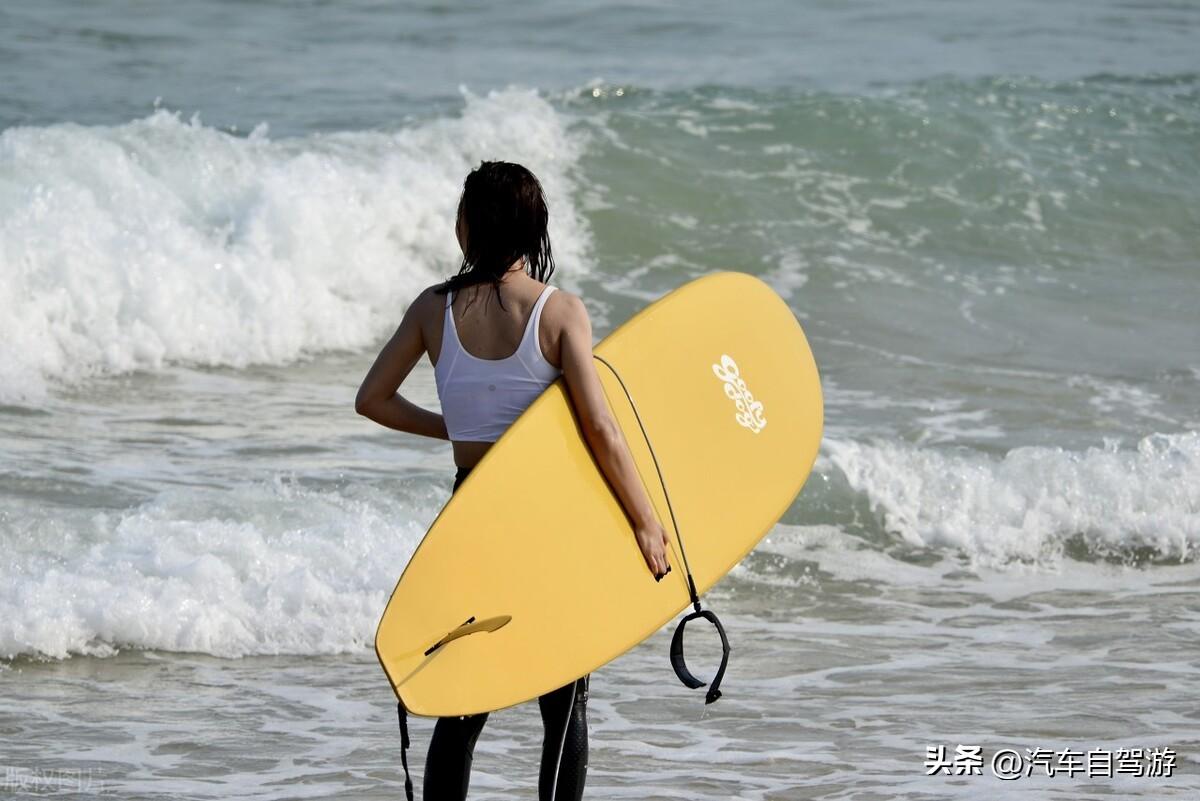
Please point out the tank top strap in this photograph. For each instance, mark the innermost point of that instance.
(451, 344)
(448, 325)
(531, 343)
(536, 318)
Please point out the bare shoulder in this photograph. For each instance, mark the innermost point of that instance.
(430, 297)
(565, 309)
(426, 306)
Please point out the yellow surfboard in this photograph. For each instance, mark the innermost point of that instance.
(530, 577)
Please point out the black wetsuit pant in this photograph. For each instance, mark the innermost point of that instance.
(564, 747)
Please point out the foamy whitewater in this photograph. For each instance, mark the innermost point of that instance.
(162, 241)
(986, 219)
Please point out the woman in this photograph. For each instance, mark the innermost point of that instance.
(497, 336)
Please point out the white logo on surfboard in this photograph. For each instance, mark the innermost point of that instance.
(749, 411)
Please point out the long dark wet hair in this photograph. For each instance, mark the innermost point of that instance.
(505, 215)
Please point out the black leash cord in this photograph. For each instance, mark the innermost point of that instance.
(677, 660)
(402, 713)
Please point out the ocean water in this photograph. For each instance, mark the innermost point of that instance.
(985, 215)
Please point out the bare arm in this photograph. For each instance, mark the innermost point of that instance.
(604, 436)
(378, 398)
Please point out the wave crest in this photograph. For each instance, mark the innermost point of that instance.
(165, 241)
(1036, 503)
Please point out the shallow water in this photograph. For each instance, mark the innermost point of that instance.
(985, 218)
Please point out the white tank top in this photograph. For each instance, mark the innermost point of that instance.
(481, 397)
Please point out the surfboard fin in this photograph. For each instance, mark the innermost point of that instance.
(470, 627)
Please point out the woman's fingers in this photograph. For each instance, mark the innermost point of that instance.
(660, 567)
(656, 558)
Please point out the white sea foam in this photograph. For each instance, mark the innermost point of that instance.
(273, 567)
(267, 568)
(165, 241)
(850, 558)
(1025, 505)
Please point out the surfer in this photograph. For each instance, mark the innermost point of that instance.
(497, 336)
